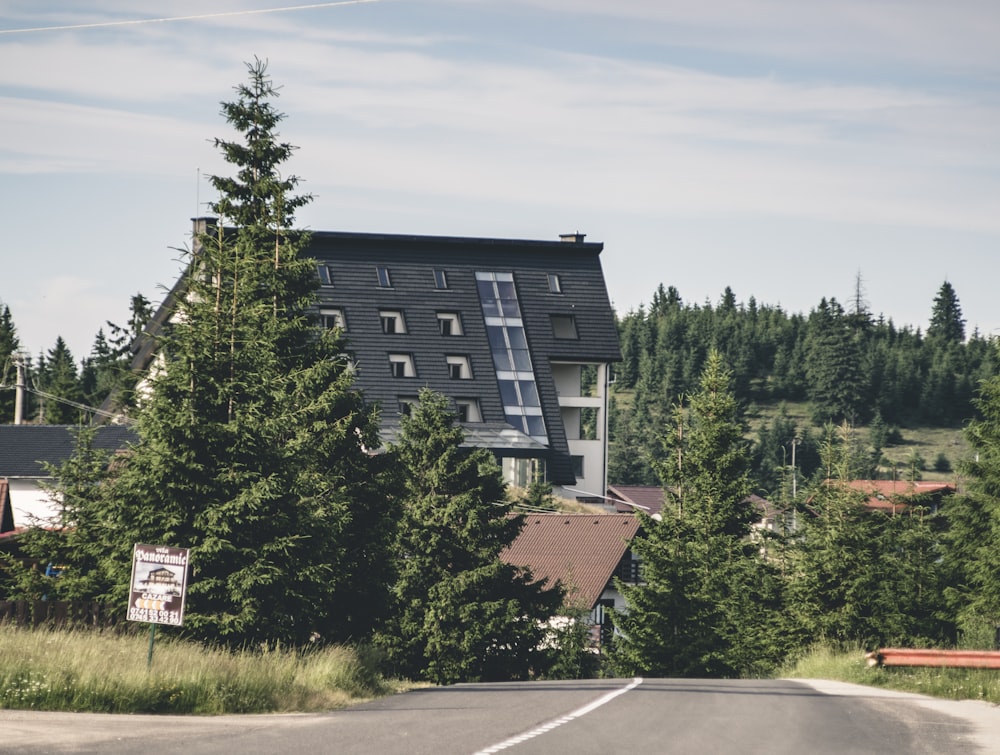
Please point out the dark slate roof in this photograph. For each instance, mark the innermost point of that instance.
(411, 260)
(580, 550)
(648, 498)
(23, 448)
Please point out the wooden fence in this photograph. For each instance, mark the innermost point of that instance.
(82, 614)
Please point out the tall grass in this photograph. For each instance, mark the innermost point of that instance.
(851, 666)
(107, 672)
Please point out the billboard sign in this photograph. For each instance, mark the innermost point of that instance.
(159, 580)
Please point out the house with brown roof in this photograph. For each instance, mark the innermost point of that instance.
(583, 552)
(895, 496)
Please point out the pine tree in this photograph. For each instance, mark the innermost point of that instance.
(62, 384)
(947, 323)
(708, 602)
(9, 347)
(971, 556)
(107, 373)
(253, 441)
(460, 613)
(73, 540)
(837, 387)
(862, 576)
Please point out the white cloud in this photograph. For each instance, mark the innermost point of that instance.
(474, 118)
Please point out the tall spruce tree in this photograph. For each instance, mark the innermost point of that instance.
(460, 613)
(9, 347)
(972, 557)
(947, 322)
(253, 441)
(60, 380)
(837, 381)
(107, 373)
(708, 602)
(862, 576)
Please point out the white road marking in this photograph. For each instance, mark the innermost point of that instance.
(589, 707)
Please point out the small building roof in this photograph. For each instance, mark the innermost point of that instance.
(581, 551)
(25, 448)
(647, 498)
(895, 495)
(890, 495)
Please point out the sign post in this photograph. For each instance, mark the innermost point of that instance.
(157, 589)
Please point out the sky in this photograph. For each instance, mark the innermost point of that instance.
(789, 150)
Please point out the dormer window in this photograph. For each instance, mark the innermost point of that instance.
(333, 318)
(392, 321)
(458, 367)
(325, 275)
(467, 410)
(383, 277)
(449, 323)
(564, 326)
(440, 279)
(401, 365)
(555, 285)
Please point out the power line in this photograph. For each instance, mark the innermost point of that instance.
(74, 404)
(135, 22)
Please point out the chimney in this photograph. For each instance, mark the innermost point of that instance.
(572, 238)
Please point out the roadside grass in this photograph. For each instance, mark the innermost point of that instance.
(107, 672)
(851, 666)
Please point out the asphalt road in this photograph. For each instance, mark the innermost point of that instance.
(594, 716)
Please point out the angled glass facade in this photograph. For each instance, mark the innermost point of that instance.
(511, 358)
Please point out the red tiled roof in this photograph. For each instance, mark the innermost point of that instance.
(901, 488)
(579, 550)
(892, 495)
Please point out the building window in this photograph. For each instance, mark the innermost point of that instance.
(333, 318)
(406, 404)
(555, 285)
(577, 465)
(564, 326)
(392, 321)
(511, 357)
(325, 275)
(440, 279)
(383, 277)
(449, 323)
(458, 367)
(467, 410)
(401, 365)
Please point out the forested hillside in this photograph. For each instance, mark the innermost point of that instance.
(841, 362)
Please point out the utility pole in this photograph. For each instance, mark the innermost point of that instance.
(795, 442)
(19, 388)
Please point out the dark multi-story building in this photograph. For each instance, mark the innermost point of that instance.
(518, 335)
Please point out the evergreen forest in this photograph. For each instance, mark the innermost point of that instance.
(839, 364)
